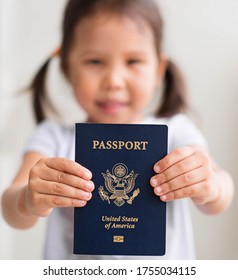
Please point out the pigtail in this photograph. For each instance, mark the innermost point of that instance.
(39, 92)
(174, 94)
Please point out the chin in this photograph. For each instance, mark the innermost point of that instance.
(109, 120)
(115, 119)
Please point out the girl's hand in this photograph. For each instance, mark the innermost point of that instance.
(57, 182)
(185, 172)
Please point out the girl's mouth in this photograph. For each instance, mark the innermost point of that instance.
(111, 107)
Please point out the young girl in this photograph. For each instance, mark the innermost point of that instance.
(111, 54)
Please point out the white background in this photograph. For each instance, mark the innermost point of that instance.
(201, 36)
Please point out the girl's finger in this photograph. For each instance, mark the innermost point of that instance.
(62, 190)
(55, 201)
(61, 177)
(182, 167)
(175, 156)
(68, 166)
(196, 190)
(189, 178)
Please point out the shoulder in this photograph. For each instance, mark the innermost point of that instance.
(52, 131)
(185, 132)
(50, 125)
(175, 121)
(179, 121)
(182, 131)
(47, 138)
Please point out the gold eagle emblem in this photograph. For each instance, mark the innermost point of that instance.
(119, 183)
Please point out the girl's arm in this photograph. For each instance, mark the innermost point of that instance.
(225, 192)
(190, 172)
(43, 184)
(13, 199)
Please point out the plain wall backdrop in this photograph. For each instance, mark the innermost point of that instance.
(201, 36)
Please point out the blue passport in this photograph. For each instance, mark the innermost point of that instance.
(124, 216)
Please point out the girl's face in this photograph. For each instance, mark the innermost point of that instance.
(114, 68)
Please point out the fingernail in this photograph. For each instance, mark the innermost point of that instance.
(157, 168)
(88, 195)
(153, 182)
(90, 186)
(80, 203)
(163, 197)
(88, 174)
(158, 190)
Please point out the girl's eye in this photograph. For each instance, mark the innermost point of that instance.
(94, 61)
(133, 61)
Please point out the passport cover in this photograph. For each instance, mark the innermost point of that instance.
(124, 216)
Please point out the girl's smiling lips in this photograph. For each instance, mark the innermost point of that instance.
(111, 106)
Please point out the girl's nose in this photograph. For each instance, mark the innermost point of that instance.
(114, 79)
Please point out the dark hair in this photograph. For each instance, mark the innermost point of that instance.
(173, 99)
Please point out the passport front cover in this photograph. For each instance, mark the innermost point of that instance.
(124, 216)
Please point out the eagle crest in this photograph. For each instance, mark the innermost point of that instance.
(119, 184)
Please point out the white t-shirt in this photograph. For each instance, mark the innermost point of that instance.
(54, 140)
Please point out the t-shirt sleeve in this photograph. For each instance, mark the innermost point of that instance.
(183, 132)
(44, 140)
